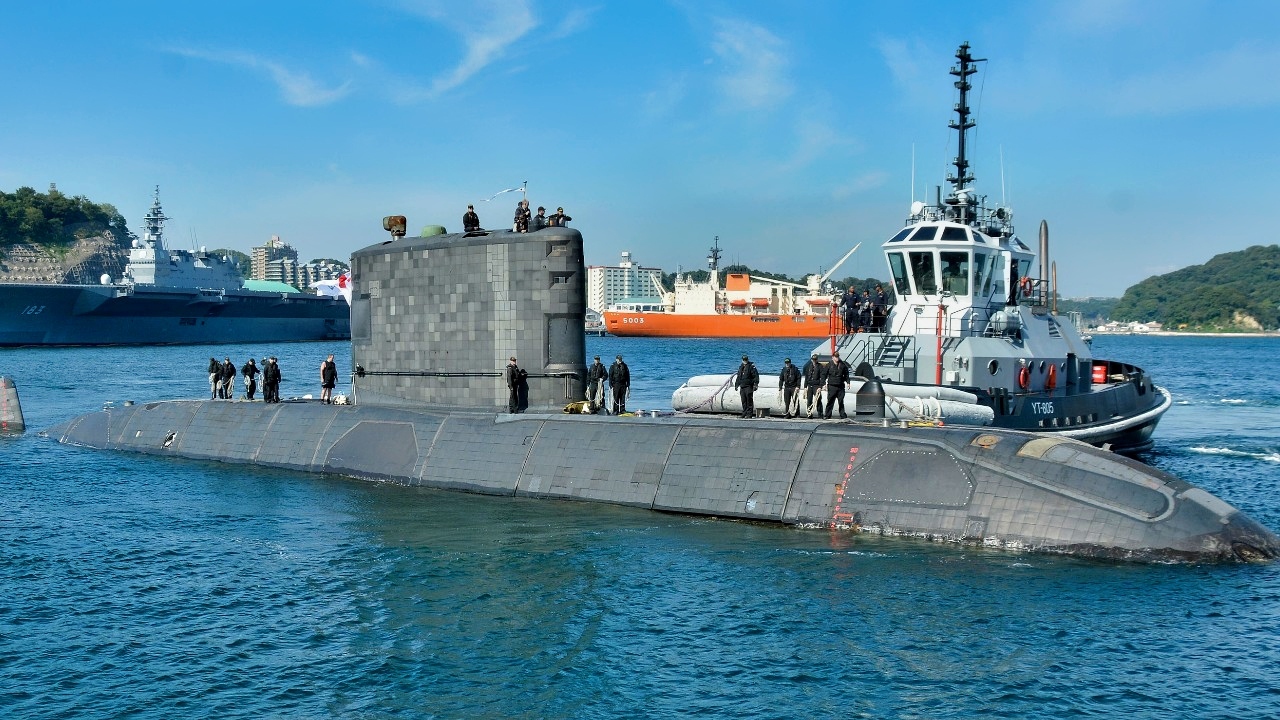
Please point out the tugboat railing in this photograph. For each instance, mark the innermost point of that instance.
(888, 350)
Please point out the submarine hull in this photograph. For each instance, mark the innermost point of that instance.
(979, 486)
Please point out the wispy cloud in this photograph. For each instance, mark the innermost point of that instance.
(755, 61)
(576, 20)
(903, 61)
(815, 139)
(661, 101)
(296, 87)
(1097, 17)
(860, 184)
(487, 28)
(1238, 77)
(914, 64)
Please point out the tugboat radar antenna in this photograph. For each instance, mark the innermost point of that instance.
(962, 178)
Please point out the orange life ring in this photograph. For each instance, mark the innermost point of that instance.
(1051, 381)
(1025, 285)
(1024, 378)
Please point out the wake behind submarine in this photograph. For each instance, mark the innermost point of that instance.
(434, 320)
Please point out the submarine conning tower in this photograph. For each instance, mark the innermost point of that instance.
(435, 319)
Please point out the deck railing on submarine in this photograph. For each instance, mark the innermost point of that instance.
(570, 378)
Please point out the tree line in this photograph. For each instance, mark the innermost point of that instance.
(55, 219)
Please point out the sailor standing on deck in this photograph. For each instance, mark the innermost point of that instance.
(879, 304)
(789, 383)
(849, 309)
(228, 380)
(596, 375)
(250, 372)
(271, 381)
(620, 381)
(513, 376)
(747, 381)
(815, 376)
(837, 376)
(215, 376)
(328, 379)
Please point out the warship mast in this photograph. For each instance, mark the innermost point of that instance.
(153, 224)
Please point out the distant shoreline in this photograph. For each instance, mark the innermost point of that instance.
(1174, 333)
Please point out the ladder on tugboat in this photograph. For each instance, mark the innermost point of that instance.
(892, 351)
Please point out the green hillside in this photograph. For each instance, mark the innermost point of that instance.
(1236, 291)
(56, 220)
(1094, 310)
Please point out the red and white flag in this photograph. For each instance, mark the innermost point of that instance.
(338, 287)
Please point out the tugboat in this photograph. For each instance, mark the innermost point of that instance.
(972, 338)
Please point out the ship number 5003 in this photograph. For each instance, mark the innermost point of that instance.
(633, 320)
(33, 310)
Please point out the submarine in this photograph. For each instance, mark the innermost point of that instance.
(434, 320)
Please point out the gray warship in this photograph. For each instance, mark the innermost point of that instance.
(434, 320)
(165, 297)
(972, 338)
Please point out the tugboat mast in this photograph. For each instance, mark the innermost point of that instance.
(962, 177)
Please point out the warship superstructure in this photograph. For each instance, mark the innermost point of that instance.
(166, 296)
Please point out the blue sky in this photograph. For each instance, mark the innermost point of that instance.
(1144, 132)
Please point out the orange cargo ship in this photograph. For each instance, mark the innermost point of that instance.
(746, 307)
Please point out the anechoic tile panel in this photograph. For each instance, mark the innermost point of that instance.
(602, 461)
(479, 454)
(374, 448)
(742, 472)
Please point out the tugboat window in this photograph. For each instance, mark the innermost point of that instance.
(954, 234)
(955, 272)
(981, 274)
(993, 367)
(924, 273)
(901, 235)
(899, 269)
(925, 233)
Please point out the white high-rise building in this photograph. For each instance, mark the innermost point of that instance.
(625, 282)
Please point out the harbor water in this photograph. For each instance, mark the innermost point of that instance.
(145, 588)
